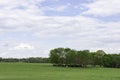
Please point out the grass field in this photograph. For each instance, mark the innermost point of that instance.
(24, 71)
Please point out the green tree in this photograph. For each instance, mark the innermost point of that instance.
(58, 56)
(99, 57)
(107, 60)
(71, 58)
(54, 57)
(84, 57)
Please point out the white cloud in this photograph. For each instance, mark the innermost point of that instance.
(103, 7)
(65, 26)
(23, 46)
(18, 49)
(60, 8)
(14, 8)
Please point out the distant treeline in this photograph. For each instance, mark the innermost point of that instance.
(26, 60)
(83, 58)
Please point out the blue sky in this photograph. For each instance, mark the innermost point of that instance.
(30, 28)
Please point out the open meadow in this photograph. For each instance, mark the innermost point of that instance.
(30, 71)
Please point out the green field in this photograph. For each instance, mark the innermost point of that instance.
(25, 71)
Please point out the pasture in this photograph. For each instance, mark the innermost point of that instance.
(30, 71)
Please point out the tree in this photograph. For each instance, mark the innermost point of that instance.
(107, 60)
(84, 57)
(71, 58)
(58, 56)
(98, 57)
(116, 60)
(0, 59)
(54, 56)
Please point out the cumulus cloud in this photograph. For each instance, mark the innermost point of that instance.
(103, 7)
(17, 49)
(23, 46)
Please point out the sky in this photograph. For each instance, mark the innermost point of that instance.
(31, 28)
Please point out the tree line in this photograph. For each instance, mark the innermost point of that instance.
(26, 60)
(83, 58)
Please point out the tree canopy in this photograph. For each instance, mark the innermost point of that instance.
(83, 58)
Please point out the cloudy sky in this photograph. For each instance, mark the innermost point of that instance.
(30, 28)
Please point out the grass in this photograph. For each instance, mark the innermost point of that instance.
(25, 71)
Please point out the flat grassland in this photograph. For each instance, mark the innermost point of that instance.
(26, 71)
